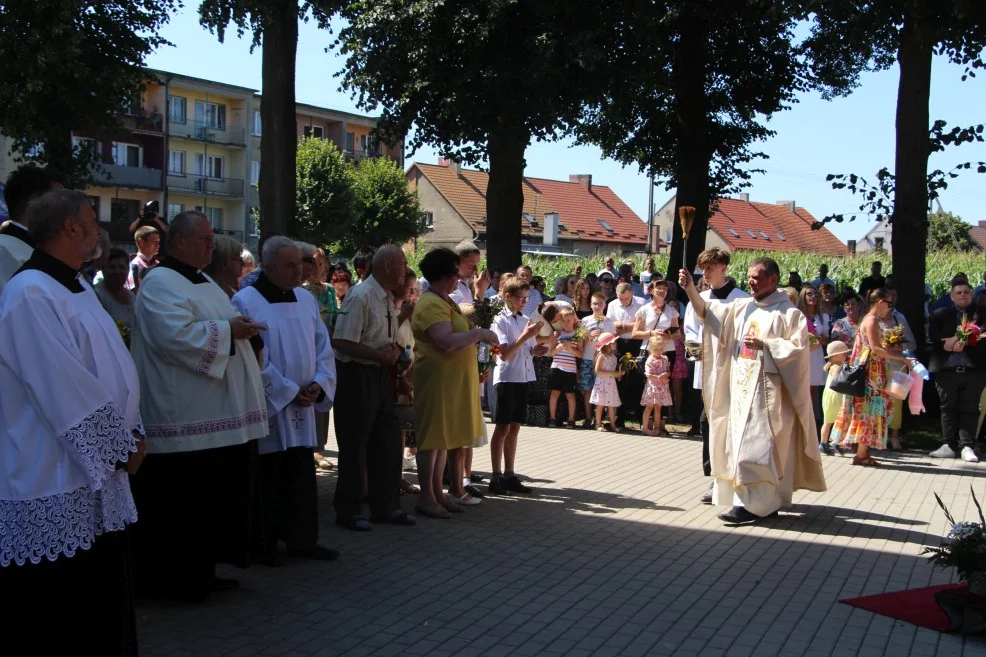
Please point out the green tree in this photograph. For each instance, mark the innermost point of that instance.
(323, 195)
(690, 84)
(386, 210)
(72, 67)
(478, 80)
(947, 232)
(274, 25)
(848, 38)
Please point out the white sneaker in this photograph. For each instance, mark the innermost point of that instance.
(943, 452)
(969, 454)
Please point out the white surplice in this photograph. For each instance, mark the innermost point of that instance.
(692, 329)
(14, 252)
(197, 394)
(69, 403)
(763, 440)
(297, 351)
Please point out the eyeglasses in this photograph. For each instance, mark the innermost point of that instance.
(811, 295)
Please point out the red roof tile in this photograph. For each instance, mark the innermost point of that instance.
(978, 233)
(773, 226)
(579, 209)
(796, 226)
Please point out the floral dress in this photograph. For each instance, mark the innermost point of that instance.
(680, 369)
(863, 420)
(656, 392)
(604, 391)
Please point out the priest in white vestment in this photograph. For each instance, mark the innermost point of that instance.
(16, 244)
(203, 408)
(764, 442)
(70, 431)
(713, 262)
(299, 376)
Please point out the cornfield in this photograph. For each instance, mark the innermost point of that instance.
(846, 270)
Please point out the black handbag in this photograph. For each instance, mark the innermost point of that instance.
(850, 379)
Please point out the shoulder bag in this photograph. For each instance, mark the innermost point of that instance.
(851, 379)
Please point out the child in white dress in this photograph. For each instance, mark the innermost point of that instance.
(604, 393)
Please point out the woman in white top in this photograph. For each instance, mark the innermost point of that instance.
(818, 328)
(658, 316)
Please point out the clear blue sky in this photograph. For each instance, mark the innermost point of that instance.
(815, 137)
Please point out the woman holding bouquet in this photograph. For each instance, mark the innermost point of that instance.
(862, 421)
(446, 372)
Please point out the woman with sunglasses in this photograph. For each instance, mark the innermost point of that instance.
(818, 327)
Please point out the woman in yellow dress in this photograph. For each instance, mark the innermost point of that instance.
(446, 380)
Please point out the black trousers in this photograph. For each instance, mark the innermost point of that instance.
(74, 605)
(194, 511)
(960, 393)
(367, 431)
(286, 502)
(630, 385)
(703, 422)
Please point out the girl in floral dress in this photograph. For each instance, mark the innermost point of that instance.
(656, 392)
(862, 421)
(604, 393)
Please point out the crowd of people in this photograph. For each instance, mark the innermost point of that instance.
(193, 391)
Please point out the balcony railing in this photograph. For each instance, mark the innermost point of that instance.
(231, 187)
(121, 176)
(359, 155)
(202, 131)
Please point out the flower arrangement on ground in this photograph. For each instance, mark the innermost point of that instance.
(963, 548)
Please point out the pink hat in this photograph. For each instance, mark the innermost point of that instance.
(605, 339)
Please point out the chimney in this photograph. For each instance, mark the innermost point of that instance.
(457, 167)
(444, 162)
(584, 179)
(745, 197)
(982, 224)
(550, 229)
(790, 205)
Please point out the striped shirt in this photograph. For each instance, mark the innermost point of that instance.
(565, 360)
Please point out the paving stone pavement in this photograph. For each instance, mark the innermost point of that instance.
(611, 556)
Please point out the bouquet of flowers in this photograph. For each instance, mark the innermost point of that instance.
(968, 333)
(124, 330)
(578, 335)
(626, 363)
(964, 547)
(894, 337)
(485, 311)
(492, 353)
(812, 340)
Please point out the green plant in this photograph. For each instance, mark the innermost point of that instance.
(964, 547)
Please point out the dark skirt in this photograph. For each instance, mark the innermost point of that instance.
(74, 605)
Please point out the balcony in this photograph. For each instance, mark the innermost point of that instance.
(231, 135)
(120, 176)
(189, 184)
(356, 156)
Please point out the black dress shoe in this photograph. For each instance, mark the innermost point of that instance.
(476, 478)
(707, 498)
(738, 515)
(498, 485)
(475, 491)
(315, 552)
(514, 485)
(694, 431)
(218, 584)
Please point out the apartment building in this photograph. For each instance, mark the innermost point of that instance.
(194, 144)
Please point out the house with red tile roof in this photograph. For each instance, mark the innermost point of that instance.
(565, 217)
(741, 224)
(978, 233)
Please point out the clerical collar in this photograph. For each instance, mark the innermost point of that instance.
(14, 229)
(723, 292)
(45, 262)
(271, 292)
(191, 273)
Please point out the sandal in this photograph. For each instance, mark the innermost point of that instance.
(552, 424)
(866, 462)
(437, 512)
(604, 428)
(407, 487)
(572, 425)
(450, 506)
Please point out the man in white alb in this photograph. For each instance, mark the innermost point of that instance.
(763, 439)
(299, 377)
(70, 432)
(713, 263)
(203, 408)
(16, 244)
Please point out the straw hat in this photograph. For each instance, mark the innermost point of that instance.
(837, 347)
(605, 339)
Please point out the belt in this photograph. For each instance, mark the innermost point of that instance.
(963, 370)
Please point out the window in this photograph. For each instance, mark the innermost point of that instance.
(363, 144)
(210, 166)
(80, 144)
(127, 155)
(316, 131)
(214, 215)
(350, 142)
(176, 109)
(429, 219)
(878, 243)
(212, 115)
(256, 123)
(176, 162)
(530, 219)
(606, 226)
(750, 233)
(780, 236)
(254, 172)
(174, 209)
(764, 235)
(733, 232)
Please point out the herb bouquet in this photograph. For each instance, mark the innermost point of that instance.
(963, 548)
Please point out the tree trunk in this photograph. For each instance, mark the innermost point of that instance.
(694, 153)
(505, 199)
(278, 123)
(910, 215)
